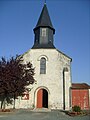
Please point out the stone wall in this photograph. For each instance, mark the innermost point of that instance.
(52, 81)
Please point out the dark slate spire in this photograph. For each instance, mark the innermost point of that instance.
(44, 31)
(44, 19)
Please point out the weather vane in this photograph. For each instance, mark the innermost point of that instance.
(45, 1)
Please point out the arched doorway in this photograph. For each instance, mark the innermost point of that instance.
(42, 98)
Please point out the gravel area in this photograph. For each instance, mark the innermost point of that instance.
(39, 115)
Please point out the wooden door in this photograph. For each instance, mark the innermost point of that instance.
(40, 98)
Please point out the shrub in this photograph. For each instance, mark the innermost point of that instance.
(76, 108)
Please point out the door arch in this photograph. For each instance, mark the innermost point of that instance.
(42, 98)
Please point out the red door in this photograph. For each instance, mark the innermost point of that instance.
(40, 98)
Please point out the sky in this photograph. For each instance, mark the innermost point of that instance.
(70, 19)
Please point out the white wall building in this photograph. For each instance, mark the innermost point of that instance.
(52, 70)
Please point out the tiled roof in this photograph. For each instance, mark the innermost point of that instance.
(80, 86)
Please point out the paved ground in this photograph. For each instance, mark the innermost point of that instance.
(30, 115)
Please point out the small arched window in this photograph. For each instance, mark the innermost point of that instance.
(42, 66)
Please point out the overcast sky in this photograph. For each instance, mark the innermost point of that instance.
(70, 19)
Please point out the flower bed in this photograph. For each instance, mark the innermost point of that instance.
(76, 110)
(6, 110)
(72, 113)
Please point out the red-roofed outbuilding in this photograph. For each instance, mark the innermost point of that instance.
(81, 95)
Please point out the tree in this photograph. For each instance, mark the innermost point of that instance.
(15, 76)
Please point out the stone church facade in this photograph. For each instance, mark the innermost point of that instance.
(52, 70)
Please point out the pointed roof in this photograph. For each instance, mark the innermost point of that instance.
(44, 19)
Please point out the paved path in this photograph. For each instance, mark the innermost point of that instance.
(30, 115)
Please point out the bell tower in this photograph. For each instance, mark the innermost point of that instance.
(44, 31)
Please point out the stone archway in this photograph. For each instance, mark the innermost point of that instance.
(42, 98)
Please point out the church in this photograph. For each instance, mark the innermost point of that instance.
(52, 88)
